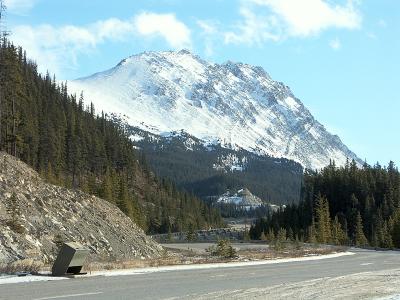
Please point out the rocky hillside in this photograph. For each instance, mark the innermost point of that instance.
(34, 215)
(243, 198)
(234, 105)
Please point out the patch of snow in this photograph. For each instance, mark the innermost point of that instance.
(392, 297)
(8, 279)
(216, 265)
(231, 162)
(136, 138)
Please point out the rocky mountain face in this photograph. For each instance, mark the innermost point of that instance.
(243, 198)
(235, 105)
(35, 215)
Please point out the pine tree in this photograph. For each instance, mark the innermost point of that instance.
(395, 231)
(312, 238)
(190, 234)
(359, 238)
(323, 222)
(270, 236)
(385, 240)
(290, 234)
(338, 234)
(280, 239)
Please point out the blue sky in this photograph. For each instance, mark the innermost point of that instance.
(341, 58)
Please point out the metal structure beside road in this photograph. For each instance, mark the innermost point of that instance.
(70, 259)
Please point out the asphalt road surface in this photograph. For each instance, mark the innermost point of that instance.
(177, 284)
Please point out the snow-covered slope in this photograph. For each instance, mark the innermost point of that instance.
(234, 104)
(243, 198)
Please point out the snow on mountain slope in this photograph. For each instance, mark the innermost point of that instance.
(243, 198)
(234, 104)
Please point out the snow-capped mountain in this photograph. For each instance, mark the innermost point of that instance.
(232, 104)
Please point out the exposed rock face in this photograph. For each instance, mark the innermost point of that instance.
(49, 212)
(243, 198)
(232, 104)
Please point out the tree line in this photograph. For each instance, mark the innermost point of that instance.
(347, 205)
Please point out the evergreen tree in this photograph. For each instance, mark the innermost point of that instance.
(363, 200)
(338, 234)
(359, 238)
(270, 236)
(323, 222)
(395, 232)
(312, 238)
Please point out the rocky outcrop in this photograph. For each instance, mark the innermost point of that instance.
(47, 214)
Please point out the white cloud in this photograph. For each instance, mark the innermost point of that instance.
(210, 34)
(279, 19)
(166, 25)
(58, 48)
(20, 6)
(208, 27)
(335, 44)
(254, 29)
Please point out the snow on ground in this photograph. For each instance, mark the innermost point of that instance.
(216, 265)
(138, 271)
(393, 297)
(7, 279)
(383, 285)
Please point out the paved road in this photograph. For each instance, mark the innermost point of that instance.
(162, 285)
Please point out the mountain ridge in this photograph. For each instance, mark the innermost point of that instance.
(232, 104)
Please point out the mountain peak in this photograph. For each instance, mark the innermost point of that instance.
(236, 104)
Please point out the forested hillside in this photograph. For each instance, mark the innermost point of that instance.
(346, 205)
(72, 145)
(211, 170)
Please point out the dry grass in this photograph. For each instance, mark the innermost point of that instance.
(25, 265)
(185, 257)
(289, 253)
(177, 257)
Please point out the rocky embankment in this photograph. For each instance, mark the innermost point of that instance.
(34, 216)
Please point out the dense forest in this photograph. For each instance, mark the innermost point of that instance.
(72, 145)
(206, 170)
(343, 205)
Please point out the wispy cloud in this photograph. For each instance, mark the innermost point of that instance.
(210, 34)
(58, 48)
(20, 7)
(264, 20)
(175, 32)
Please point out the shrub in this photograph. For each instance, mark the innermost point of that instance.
(223, 249)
